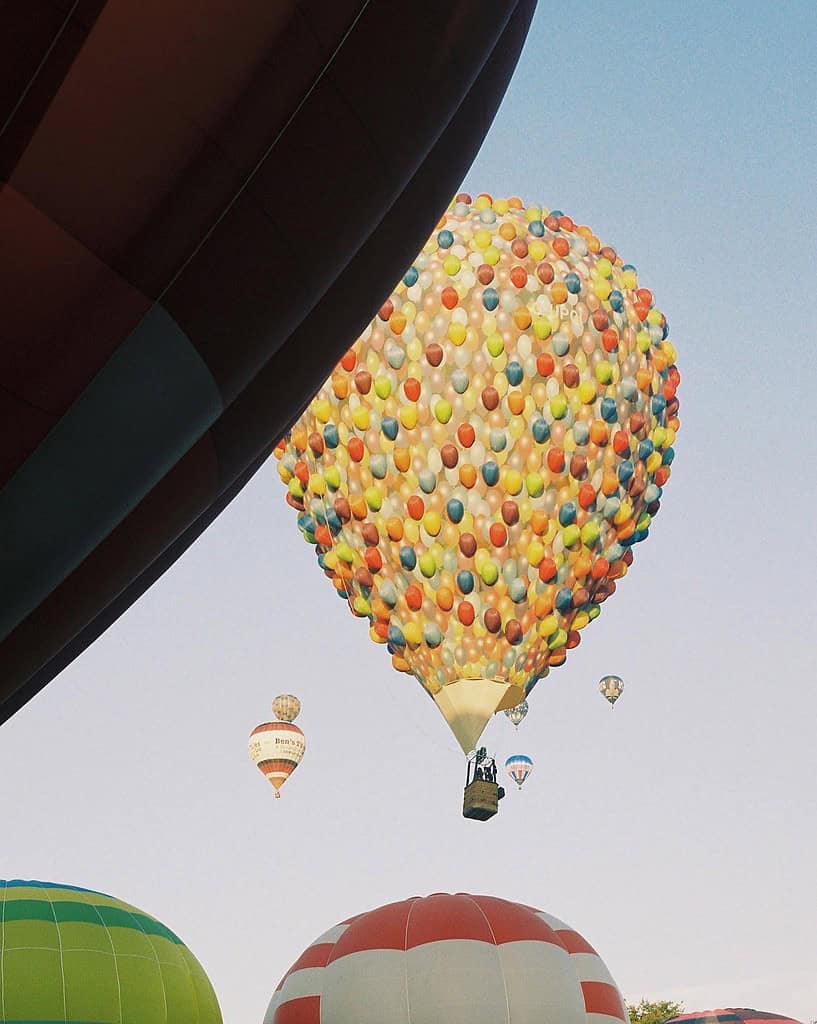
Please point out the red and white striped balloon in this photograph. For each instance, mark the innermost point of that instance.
(447, 959)
(732, 1016)
(277, 749)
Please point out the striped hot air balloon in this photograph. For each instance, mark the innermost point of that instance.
(519, 767)
(277, 749)
(448, 958)
(731, 1016)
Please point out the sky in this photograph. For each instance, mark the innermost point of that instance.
(678, 832)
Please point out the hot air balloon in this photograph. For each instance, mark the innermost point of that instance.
(517, 714)
(72, 954)
(448, 958)
(192, 234)
(519, 767)
(731, 1017)
(277, 748)
(286, 708)
(477, 469)
(611, 688)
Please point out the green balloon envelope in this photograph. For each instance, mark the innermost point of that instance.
(71, 954)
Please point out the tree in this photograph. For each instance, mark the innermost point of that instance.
(654, 1013)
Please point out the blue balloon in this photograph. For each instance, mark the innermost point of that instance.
(465, 581)
(490, 299)
(490, 473)
(540, 430)
(609, 411)
(564, 599)
(390, 427)
(645, 448)
(395, 636)
(455, 510)
(411, 276)
(408, 558)
(514, 373)
(445, 239)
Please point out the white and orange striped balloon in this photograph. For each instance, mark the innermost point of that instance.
(454, 959)
(277, 749)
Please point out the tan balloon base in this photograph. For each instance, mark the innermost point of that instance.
(468, 704)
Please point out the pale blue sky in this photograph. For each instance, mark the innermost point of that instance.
(678, 833)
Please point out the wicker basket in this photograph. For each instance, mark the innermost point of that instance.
(481, 800)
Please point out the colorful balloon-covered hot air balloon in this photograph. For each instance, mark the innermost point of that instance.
(477, 469)
(731, 1016)
(72, 954)
(277, 749)
(519, 767)
(286, 708)
(517, 714)
(611, 688)
(448, 958)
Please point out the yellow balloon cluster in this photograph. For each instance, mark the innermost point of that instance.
(481, 461)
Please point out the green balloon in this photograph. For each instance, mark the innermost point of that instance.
(71, 954)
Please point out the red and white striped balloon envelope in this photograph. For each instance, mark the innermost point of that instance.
(448, 959)
(731, 1016)
(277, 749)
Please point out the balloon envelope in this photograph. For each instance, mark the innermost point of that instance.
(611, 688)
(517, 714)
(277, 749)
(191, 241)
(519, 767)
(286, 708)
(72, 954)
(448, 958)
(731, 1016)
(477, 469)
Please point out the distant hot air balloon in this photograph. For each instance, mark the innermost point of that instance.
(479, 465)
(448, 958)
(286, 708)
(519, 767)
(277, 749)
(731, 1016)
(517, 714)
(611, 687)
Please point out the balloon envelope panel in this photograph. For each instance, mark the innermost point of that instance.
(448, 958)
(71, 954)
(477, 469)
